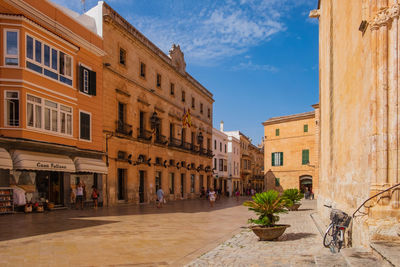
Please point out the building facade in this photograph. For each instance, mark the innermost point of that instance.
(52, 101)
(233, 165)
(290, 152)
(220, 160)
(257, 167)
(158, 127)
(359, 135)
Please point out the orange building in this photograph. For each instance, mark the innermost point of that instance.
(51, 92)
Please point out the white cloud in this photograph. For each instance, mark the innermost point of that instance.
(254, 67)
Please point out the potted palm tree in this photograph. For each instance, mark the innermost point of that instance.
(267, 205)
(294, 195)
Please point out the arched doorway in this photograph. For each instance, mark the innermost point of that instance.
(305, 185)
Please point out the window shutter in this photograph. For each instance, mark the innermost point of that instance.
(273, 159)
(81, 78)
(303, 157)
(307, 156)
(92, 82)
(281, 159)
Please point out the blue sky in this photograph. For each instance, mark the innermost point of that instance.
(258, 57)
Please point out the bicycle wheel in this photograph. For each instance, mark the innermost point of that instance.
(328, 237)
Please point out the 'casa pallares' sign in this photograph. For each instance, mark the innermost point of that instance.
(55, 166)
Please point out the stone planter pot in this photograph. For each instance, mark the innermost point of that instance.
(295, 207)
(269, 233)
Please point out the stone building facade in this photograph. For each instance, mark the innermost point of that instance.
(220, 160)
(148, 95)
(359, 134)
(233, 164)
(257, 167)
(291, 153)
(52, 101)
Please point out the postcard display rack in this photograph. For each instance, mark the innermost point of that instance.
(6, 200)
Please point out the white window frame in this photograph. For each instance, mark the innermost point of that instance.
(5, 108)
(49, 68)
(277, 159)
(90, 129)
(59, 111)
(5, 47)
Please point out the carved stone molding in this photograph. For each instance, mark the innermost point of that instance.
(177, 58)
(384, 16)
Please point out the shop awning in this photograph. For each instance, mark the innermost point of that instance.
(29, 160)
(5, 159)
(90, 165)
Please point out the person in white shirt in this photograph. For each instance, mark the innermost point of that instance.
(212, 197)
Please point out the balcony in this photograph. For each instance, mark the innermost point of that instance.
(194, 148)
(187, 146)
(123, 128)
(161, 139)
(144, 134)
(173, 142)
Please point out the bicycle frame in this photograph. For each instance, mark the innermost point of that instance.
(336, 230)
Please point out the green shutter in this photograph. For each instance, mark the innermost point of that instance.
(273, 159)
(305, 157)
(281, 159)
(306, 128)
(276, 132)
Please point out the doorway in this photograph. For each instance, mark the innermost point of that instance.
(182, 184)
(121, 184)
(141, 186)
(50, 186)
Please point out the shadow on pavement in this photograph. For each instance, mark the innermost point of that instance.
(295, 236)
(25, 225)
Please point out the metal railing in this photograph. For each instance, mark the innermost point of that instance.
(161, 139)
(123, 128)
(144, 134)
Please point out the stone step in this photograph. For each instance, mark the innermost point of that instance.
(362, 257)
(389, 250)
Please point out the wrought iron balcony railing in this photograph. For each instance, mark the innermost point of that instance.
(123, 128)
(161, 139)
(144, 134)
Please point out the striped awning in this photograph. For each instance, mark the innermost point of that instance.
(29, 160)
(5, 160)
(90, 165)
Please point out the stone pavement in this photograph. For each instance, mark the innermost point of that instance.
(301, 245)
(127, 235)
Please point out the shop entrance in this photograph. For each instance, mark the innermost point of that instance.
(306, 185)
(182, 185)
(141, 186)
(121, 183)
(50, 186)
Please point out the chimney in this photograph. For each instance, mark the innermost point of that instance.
(221, 126)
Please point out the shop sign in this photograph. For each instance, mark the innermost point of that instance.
(46, 165)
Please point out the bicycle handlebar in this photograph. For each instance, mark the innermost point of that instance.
(328, 206)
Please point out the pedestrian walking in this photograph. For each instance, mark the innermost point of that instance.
(237, 194)
(212, 196)
(160, 197)
(95, 196)
(79, 195)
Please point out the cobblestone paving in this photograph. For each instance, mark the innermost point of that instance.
(301, 245)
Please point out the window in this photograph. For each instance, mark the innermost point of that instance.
(201, 108)
(225, 148)
(87, 81)
(193, 103)
(158, 80)
(277, 181)
(183, 96)
(171, 183)
(11, 47)
(192, 183)
(172, 89)
(306, 128)
(48, 115)
(12, 108)
(215, 163)
(142, 70)
(208, 113)
(277, 159)
(84, 122)
(122, 56)
(225, 165)
(220, 146)
(121, 155)
(305, 156)
(276, 132)
(215, 144)
(221, 164)
(51, 62)
(158, 180)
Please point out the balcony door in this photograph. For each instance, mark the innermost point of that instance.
(141, 123)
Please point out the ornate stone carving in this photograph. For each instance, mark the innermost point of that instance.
(177, 58)
(384, 16)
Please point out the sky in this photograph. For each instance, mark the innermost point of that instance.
(259, 58)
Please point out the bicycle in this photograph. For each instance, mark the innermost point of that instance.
(334, 234)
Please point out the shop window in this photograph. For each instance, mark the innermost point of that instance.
(277, 159)
(11, 53)
(172, 183)
(12, 108)
(192, 179)
(48, 61)
(122, 56)
(142, 70)
(87, 81)
(84, 126)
